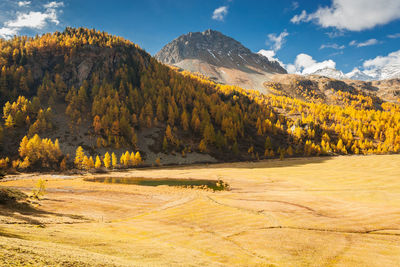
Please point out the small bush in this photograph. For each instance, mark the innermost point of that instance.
(40, 189)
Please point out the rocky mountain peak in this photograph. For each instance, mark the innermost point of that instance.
(218, 50)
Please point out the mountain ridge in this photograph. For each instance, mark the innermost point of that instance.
(388, 72)
(219, 57)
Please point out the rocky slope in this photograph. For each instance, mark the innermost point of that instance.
(219, 57)
(322, 87)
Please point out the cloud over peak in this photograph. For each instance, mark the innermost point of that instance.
(305, 64)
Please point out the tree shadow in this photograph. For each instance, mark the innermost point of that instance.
(25, 213)
(260, 164)
(9, 235)
(275, 163)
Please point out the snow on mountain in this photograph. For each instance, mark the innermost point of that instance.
(357, 74)
(391, 71)
(330, 72)
(383, 67)
(376, 69)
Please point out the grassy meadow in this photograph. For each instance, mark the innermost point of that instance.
(339, 211)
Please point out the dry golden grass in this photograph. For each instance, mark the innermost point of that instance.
(342, 211)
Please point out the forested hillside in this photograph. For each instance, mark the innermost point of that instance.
(87, 89)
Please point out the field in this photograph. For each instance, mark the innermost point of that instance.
(340, 211)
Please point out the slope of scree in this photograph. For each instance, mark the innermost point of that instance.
(219, 57)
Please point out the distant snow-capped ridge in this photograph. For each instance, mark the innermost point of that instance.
(391, 71)
(357, 74)
(330, 72)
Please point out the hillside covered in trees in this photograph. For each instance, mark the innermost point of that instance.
(87, 99)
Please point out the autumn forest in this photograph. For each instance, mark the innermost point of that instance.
(78, 79)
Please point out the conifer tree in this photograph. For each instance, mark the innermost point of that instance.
(138, 158)
(107, 160)
(165, 144)
(97, 164)
(132, 160)
(122, 159)
(9, 122)
(91, 163)
(79, 157)
(114, 160)
(86, 163)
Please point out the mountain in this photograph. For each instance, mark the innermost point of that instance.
(78, 96)
(389, 71)
(357, 74)
(219, 57)
(330, 72)
(100, 92)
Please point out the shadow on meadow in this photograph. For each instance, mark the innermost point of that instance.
(16, 205)
(262, 164)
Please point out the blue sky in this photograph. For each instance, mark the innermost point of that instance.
(303, 35)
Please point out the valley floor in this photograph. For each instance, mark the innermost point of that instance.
(341, 211)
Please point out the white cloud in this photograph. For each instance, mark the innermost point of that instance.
(220, 13)
(353, 15)
(24, 3)
(394, 36)
(305, 64)
(366, 43)
(53, 5)
(32, 20)
(382, 61)
(291, 68)
(333, 46)
(7, 32)
(299, 18)
(270, 54)
(267, 53)
(277, 40)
